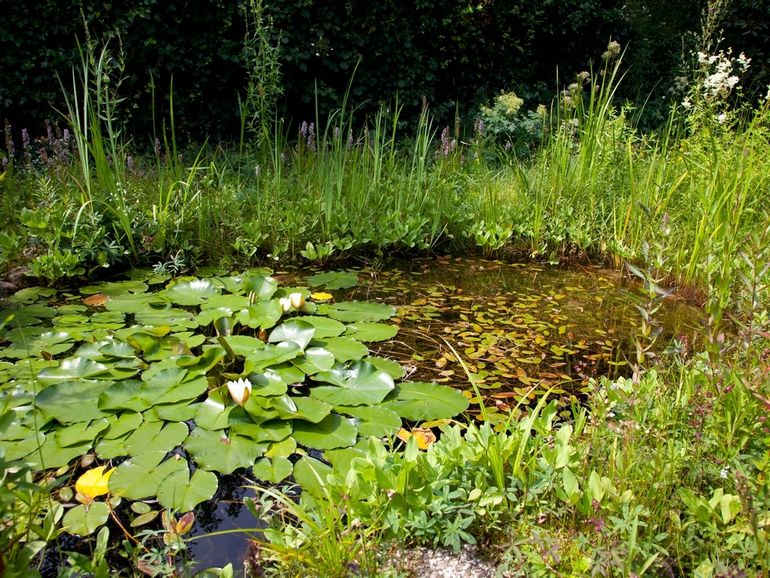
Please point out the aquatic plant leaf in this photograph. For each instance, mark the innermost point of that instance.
(23, 447)
(156, 394)
(215, 451)
(284, 448)
(74, 368)
(181, 492)
(202, 363)
(171, 317)
(263, 314)
(293, 331)
(270, 431)
(52, 455)
(307, 409)
(262, 286)
(372, 420)
(332, 280)
(117, 349)
(311, 474)
(140, 476)
(79, 433)
(189, 293)
(214, 413)
(419, 401)
(124, 394)
(83, 520)
(334, 431)
(392, 368)
(371, 331)
(270, 355)
(134, 303)
(324, 326)
(314, 360)
(156, 436)
(267, 384)
(182, 411)
(72, 401)
(243, 345)
(115, 288)
(51, 342)
(356, 311)
(360, 383)
(343, 348)
(273, 470)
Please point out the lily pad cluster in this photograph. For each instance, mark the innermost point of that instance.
(138, 379)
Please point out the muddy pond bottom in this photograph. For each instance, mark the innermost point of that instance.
(518, 330)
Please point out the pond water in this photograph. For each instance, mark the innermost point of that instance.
(521, 329)
(133, 374)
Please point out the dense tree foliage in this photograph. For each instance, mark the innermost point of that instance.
(446, 53)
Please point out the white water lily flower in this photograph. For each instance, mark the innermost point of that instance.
(239, 390)
(293, 301)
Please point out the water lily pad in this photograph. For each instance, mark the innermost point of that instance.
(270, 356)
(189, 293)
(79, 433)
(273, 471)
(360, 383)
(156, 436)
(141, 476)
(418, 401)
(333, 280)
(262, 286)
(371, 331)
(83, 520)
(269, 431)
(218, 452)
(72, 401)
(374, 420)
(171, 317)
(244, 345)
(267, 384)
(133, 303)
(181, 492)
(214, 413)
(307, 408)
(392, 368)
(314, 360)
(357, 311)
(263, 314)
(334, 431)
(324, 326)
(115, 288)
(343, 348)
(293, 331)
(74, 368)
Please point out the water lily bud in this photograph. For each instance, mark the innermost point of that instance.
(239, 390)
(285, 304)
(297, 300)
(185, 523)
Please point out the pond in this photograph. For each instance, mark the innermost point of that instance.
(137, 375)
(521, 330)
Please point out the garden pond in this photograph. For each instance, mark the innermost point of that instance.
(190, 389)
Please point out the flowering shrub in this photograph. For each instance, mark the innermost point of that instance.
(505, 123)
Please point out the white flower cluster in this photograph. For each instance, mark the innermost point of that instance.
(722, 73)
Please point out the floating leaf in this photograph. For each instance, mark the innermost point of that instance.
(293, 331)
(343, 348)
(360, 383)
(307, 408)
(83, 520)
(218, 452)
(190, 293)
(72, 401)
(324, 326)
(333, 280)
(156, 436)
(74, 368)
(422, 436)
(181, 492)
(356, 311)
(374, 420)
(141, 476)
(332, 432)
(273, 471)
(418, 401)
(371, 331)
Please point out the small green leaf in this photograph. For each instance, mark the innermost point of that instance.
(273, 471)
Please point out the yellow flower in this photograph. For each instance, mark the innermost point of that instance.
(93, 483)
(240, 390)
(321, 296)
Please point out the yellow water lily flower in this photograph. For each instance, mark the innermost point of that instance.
(240, 390)
(321, 296)
(93, 483)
